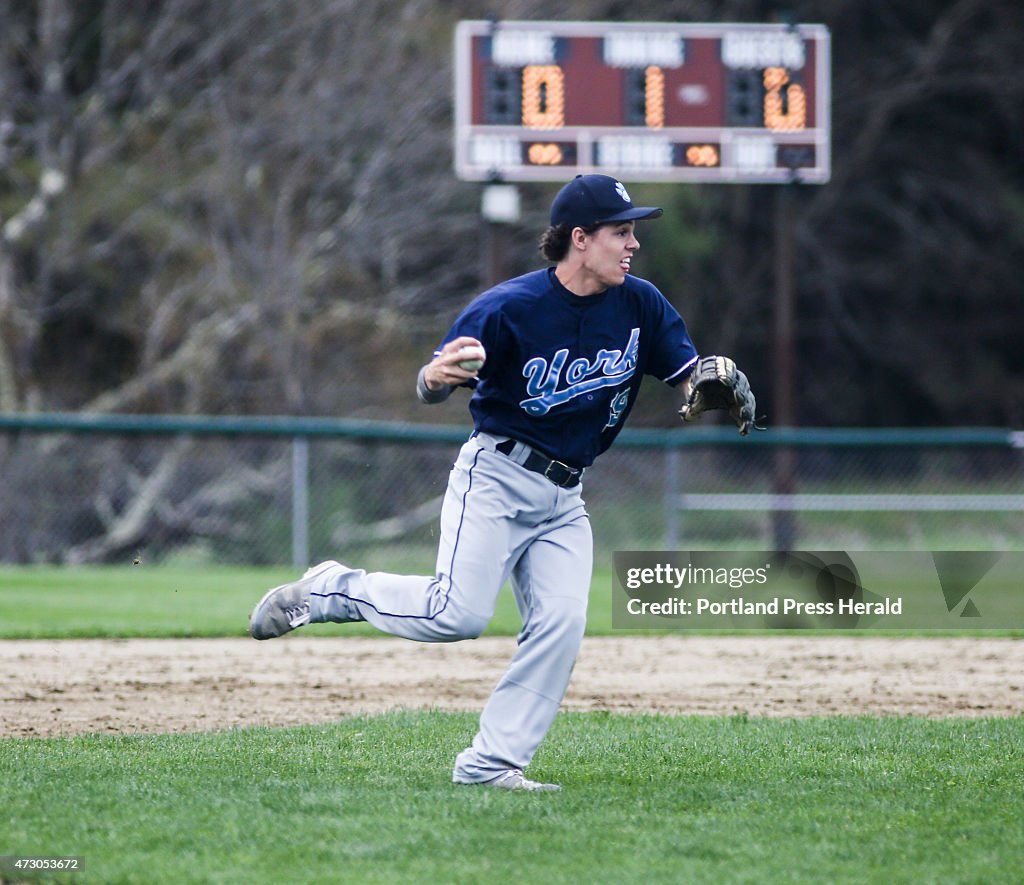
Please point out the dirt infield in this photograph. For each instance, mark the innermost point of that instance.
(153, 685)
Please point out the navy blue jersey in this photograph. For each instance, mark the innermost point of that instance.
(563, 370)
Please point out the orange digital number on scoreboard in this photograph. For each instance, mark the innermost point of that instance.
(702, 155)
(543, 97)
(785, 104)
(544, 154)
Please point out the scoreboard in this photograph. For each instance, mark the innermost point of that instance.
(739, 103)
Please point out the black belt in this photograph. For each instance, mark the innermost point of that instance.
(562, 475)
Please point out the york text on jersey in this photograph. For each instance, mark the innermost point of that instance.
(609, 368)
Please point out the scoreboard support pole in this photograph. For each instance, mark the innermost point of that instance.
(499, 211)
(784, 350)
(494, 253)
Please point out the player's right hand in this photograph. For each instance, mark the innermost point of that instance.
(444, 368)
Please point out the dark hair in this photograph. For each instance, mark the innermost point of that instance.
(554, 242)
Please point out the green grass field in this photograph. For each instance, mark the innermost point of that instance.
(646, 799)
(367, 799)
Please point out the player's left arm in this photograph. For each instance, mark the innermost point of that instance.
(671, 352)
(706, 383)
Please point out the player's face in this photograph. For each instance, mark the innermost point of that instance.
(609, 252)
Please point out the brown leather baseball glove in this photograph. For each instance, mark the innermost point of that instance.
(716, 383)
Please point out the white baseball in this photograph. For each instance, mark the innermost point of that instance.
(472, 358)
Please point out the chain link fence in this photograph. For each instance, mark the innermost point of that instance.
(88, 489)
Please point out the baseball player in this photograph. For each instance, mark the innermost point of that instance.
(554, 359)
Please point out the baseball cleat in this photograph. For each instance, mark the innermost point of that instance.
(284, 608)
(514, 779)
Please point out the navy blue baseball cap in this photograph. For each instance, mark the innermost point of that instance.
(596, 199)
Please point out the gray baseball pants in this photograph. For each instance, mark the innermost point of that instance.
(498, 521)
